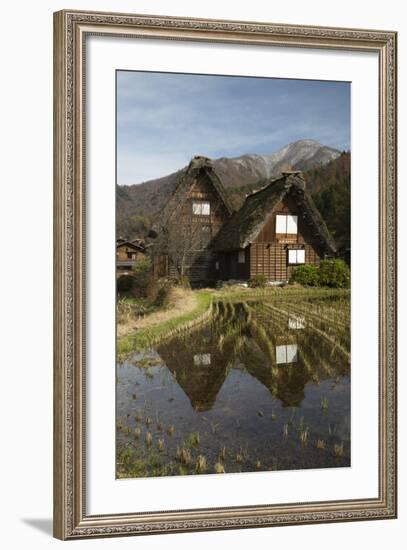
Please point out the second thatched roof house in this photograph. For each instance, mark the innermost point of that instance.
(277, 228)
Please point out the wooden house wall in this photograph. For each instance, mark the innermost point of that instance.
(269, 251)
(271, 260)
(123, 251)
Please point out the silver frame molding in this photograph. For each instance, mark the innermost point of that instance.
(70, 31)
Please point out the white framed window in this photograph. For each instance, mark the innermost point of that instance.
(295, 322)
(296, 256)
(201, 208)
(287, 224)
(202, 359)
(241, 258)
(287, 353)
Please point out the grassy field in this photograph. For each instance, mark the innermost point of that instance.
(277, 292)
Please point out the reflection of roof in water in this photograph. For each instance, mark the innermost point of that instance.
(285, 382)
(200, 370)
(283, 361)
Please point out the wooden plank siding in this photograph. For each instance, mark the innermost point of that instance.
(269, 251)
(271, 260)
(125, 252)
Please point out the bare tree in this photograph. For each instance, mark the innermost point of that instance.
(179, 238)
(183, 234)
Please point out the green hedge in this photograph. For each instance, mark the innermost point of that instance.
(307, 275)
(334, 273)
(330, 273)
(142, 272)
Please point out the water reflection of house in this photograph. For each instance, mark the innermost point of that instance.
(286, 353)
(127, 254)
(286, 379)
(198, 365)
(296, 322)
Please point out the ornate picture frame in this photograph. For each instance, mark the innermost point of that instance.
(71, 29)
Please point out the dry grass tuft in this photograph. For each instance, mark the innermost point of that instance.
(200, 465)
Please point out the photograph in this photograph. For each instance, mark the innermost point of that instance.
(233, 270)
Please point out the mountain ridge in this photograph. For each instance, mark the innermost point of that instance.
(147, 198)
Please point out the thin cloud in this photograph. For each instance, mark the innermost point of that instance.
(165, 119)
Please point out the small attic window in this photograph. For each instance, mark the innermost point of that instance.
(286, 224)
(202, 359)
(201, 208)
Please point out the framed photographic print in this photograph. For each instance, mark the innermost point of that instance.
(225, 274)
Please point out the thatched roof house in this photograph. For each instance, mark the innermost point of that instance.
(191, 219)
(246, 224)
(264, 235)
(127, 254)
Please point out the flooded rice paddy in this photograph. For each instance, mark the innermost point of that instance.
(260, 386)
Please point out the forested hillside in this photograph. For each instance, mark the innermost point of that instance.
(330, 187)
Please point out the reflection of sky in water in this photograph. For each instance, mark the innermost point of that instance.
(243, 383)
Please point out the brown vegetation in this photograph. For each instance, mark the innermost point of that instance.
(179, 302)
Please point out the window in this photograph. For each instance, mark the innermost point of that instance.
(202, 359)
(296, 256)
(217, 266)
(241, 257)
(201, 208)
(295, 322)
(286, 224)
(286, 354)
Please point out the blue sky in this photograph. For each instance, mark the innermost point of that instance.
(164, 119)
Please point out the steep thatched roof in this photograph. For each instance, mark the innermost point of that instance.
(197, 166)
(245, 225)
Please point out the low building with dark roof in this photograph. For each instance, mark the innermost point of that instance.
(127, 254)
